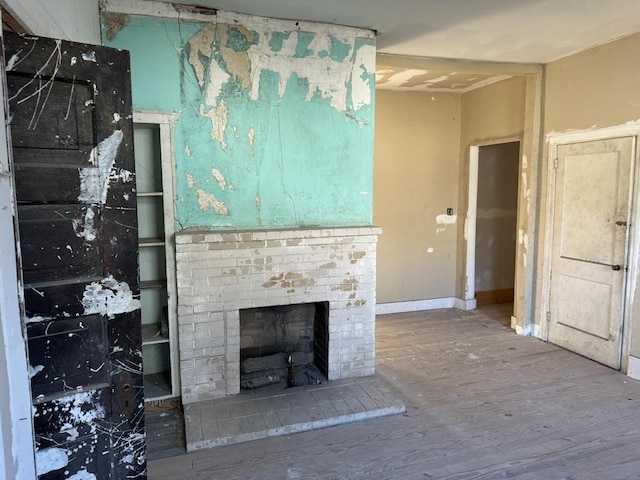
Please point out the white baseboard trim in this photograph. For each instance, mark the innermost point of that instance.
(420, 305)
(633, 370)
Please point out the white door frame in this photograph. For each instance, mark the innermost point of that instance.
(633, 235)
(472, 214)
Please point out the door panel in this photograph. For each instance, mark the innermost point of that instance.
(591, 210)
(71, 132)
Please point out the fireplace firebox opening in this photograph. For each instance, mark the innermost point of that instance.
(285, 345)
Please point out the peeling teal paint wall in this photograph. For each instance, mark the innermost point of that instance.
(275, 123)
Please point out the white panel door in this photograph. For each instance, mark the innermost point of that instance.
(591, 213)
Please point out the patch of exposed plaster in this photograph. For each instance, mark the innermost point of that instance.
(108, 297)
(200, 44)
(217, 174)
(251, 135)
(94, 182)
(187, 150)
(114, 22)
(445, 219)
(526, 192)
(361, 80)
(245, 44)
(190, 181)
(208, 201)
(237, 61)
(50, 460)
(218, 117)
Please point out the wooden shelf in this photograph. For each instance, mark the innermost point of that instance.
(151, 334)
(151, 242)
(149, 194)
(156, 284)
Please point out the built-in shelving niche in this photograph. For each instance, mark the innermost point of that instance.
(154, 182)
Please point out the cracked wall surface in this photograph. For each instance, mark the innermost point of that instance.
(275, 124)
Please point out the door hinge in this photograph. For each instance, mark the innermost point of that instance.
(555, 163)
(548, 316)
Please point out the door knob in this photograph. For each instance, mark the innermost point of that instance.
(615, 267)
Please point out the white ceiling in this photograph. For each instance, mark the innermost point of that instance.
(526, 31)
(522, 31)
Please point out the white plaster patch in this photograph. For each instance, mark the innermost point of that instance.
(360, 87)
(94, 182)
(109, 297)
(190, 181)
(86, 228)
(430, 250)
(50, 460)
(89, 56)
(445, 219)
(208, 201)
(217, 78)
(218, 117)
(324, 75)
(252, 136)
(217, 174)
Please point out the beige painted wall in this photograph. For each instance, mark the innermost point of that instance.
(596, 88)
(417, 153)
(490, 113)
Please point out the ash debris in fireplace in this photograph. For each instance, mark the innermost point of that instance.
(288, 370)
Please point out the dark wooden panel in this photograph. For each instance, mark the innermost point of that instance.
(78, 422)
(67, 354)
(47, 184)
(58, 242)
(54, 123)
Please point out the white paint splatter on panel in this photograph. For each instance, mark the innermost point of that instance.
(86, 228)
(82, 475)
(109, 297)
(94, 182)
(89, 56)
(50, 460)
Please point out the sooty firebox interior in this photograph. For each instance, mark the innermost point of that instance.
(285, 345)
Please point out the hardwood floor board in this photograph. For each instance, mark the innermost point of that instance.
(482, 403)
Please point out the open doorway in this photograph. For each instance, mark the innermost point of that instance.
(492, 227)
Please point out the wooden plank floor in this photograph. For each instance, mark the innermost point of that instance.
(482, 403)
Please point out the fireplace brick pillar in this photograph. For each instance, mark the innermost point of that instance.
(221, 273)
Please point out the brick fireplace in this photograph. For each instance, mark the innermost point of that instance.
(221, 273)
